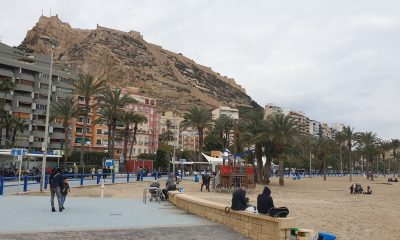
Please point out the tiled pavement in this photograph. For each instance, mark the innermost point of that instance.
(29, 217)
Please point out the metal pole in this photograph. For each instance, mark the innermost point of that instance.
(20, 157)
(173, 157)
(46, 132)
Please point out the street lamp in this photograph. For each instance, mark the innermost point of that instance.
(46, 133)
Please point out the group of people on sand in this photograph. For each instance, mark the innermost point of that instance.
(358, 189)
(265, 203)
(393, 180)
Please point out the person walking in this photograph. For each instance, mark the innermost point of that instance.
(56, 184)
(64, 192)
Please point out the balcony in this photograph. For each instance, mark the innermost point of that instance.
(24, 87)
(38, 134)
(22, 109)
(21, 144)
(57, 135)
(54, 146)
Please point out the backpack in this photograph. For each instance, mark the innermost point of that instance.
(53, 182)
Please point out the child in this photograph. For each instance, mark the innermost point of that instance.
(64, 191)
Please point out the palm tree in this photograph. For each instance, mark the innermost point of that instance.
(349, 136)
(395, 144)
(7, 123)
(224, 126)
(137, 120)
(127, 120)
(384, 147)
(200, 119)
(368, 143)
(283, 132)
(255, 129)
(18, 125)
(6, 85)
(87, 87)
(323, 150)
(63, 112)
(114, 101)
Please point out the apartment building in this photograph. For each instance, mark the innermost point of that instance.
(28, 99)
(304, 123)
(227, 111)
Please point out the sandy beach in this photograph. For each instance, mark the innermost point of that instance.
(316, 204)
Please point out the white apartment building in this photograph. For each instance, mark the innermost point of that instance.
(227, 111)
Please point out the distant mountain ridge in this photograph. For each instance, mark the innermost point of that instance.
(125, 59)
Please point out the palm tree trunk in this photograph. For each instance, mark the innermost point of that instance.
(324, 166)
(258, 153)
(201, 143)
(133, 140)
(109, 140)
(351, 165)
(126, 138)
(371, 171)
(267, 170)
(83, 139)
(281, 179)
(66, 147)
(13, 136)
(114, 129)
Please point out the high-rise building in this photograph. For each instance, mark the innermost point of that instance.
(28, 98)
(227, 111)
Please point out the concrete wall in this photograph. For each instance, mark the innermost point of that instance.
(253, 225)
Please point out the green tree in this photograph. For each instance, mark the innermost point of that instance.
(224, 127)
(349, 136)
(137, 120)
(395, 144)
(368, 143)
(6, 84)
(283, 132)
(18, 125)
(114, 102)
(63, 112)
(86, 86)
(200, 119)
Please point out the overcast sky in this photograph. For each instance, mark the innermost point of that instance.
(337, 61)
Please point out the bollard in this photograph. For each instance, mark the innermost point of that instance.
(25, 183)
(102, 189)
(113, 177)
(127, 177)
(1, 185)
(82, 179)
(46, 181)
(98, 178)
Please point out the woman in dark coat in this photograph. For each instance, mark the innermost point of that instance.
(265, 205)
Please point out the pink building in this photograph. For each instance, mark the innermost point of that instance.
(147, 134)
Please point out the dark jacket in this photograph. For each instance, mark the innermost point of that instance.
(57, 180)
(264, 201)
(239, 200)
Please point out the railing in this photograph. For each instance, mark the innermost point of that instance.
(9, 185)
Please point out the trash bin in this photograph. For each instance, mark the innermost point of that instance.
(305, 234)
(326, 236)
(196, 178)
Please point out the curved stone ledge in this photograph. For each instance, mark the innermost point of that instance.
(253, 225)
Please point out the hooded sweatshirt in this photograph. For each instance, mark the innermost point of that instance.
(264, 201)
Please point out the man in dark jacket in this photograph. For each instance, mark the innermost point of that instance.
(265, 205)
(56, 184)
(239, 199)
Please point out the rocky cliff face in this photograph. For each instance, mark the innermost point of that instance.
(126, 59)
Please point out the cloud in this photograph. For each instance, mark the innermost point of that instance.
(336, 61)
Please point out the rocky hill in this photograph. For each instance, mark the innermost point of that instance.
(126, 59)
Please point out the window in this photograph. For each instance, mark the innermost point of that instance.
(41, 107)
(98, 141)
(43, 86)
(98, 131)
(139, 150)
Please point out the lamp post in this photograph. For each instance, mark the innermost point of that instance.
(46, 131)
(173, 154)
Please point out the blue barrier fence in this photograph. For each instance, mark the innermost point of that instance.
(9, 185)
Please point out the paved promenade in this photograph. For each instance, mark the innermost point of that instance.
(30, 217)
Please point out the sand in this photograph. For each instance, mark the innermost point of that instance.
(320, 205)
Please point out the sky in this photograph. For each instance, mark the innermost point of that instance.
(337, 61)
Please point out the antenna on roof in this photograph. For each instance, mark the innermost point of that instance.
(42, 12)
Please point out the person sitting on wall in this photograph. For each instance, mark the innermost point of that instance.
(265, 205)
(239, 199)
(169, 186)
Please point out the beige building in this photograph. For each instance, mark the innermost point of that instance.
(230, 112)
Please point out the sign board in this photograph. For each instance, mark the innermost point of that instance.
(19, 151)
(182, 160)
(109, 162)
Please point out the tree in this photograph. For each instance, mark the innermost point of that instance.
(368, 143)
(395, 144)
(63, 112)
(18, 125)
(127, 120)
(323, 150)
(200, 119)
(384, 147)
(6, 84)
(256, 131)
(283, 132)
(86, 86)
(224, 126)
(114, 102)
(349, 136)
(137, 120)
